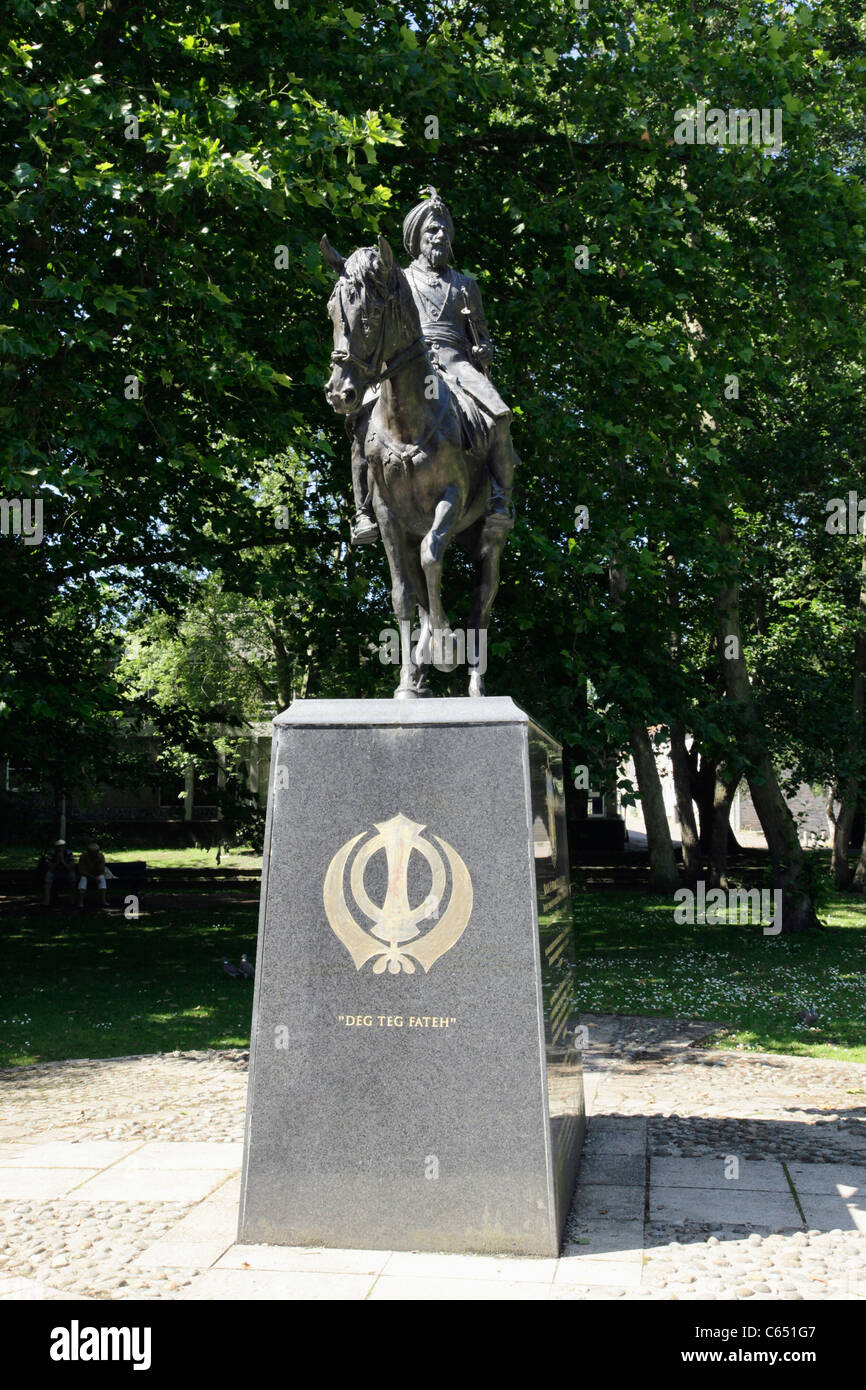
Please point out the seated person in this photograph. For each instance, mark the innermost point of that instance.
(92, 868)
(59, 869)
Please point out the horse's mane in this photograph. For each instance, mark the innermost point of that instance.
(365, 267)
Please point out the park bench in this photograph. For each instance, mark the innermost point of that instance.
(181, 880)
(25, 885)
(129, 877)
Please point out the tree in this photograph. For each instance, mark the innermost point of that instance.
(669, 316)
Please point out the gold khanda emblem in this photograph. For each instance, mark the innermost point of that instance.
(398, 932)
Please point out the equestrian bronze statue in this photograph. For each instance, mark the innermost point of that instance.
(432, 457)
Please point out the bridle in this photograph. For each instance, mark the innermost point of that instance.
(375, 369)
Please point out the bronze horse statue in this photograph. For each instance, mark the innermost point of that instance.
(428, 487)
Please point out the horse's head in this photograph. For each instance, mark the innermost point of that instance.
(366, 283)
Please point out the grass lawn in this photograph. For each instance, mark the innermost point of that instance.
(93, 986)
(17, 857)
(87, 985)
(633, 958)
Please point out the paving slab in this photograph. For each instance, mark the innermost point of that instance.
(752, 1174)
(828, 1178)
(93, 1153)
(406, 1264)
(35, 1184)
(616, 1203)
(724, 1206)
(578, 1293)
(620, 1240)
(619, 1170)
(834, 1213)
(301, 1259)
(403, 1289)
(227, 1194)
(197, 1156)
(616, 1124)
(619, 1138)
(587, 1272)
(273, 1285)
(214, 1219)
(171, 1253)
(119, 1184)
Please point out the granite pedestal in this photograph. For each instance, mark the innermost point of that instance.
(413, 1079)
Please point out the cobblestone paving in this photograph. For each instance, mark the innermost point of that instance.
(175, 1095)
(712, 1106)
(706, 1174)
(78, 1249)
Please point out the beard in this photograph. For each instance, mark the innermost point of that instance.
(438, 256)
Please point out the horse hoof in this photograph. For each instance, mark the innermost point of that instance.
(476, 685)
(402, 694)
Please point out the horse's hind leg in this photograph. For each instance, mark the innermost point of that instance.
(403, 598)
(416, 573)
(490, 543)
(441, 645)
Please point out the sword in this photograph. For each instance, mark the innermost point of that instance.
(473, 330)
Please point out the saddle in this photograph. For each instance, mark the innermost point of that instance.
(473, 423)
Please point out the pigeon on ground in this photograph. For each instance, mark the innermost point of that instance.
(247, 969)
(808, 1016)
(231, 970)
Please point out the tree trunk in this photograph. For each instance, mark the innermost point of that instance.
(859, 882)
(720, 830)
(283, 664)
(661, 851)
(850, 788)
(844, 824)
(703, 784)
(680, 764)
(790, 873)
(692, 862)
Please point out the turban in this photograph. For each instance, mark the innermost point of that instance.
(415, 221)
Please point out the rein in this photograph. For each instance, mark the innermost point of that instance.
(375, 368)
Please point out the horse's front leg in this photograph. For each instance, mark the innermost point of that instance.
(439, 644)
(413, 682)
(492, 536)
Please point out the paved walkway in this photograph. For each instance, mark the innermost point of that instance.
(706, 1174)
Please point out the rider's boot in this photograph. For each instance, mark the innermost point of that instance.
(499, 504)
(364, 529)
(500, 464)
